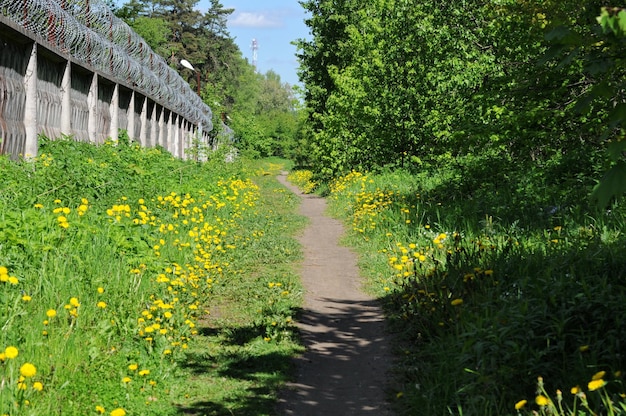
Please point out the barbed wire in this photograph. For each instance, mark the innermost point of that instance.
(90, 32)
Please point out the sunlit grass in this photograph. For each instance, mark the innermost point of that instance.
(110, 260)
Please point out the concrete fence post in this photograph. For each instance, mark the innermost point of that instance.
(92, 105)
(30, 105)
(115, 112)
(66, 99)
(131, 116)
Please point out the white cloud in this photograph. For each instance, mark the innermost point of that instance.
(255, 19)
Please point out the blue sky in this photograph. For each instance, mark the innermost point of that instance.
(274, 24)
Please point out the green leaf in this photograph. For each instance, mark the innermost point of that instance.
(612, 185)
(621, 17)
(616, 148)
(617, 115)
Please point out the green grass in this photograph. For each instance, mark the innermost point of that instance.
(136, 282)
(243, 352)
(487, 290)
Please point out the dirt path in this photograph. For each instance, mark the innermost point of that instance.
(343, 370)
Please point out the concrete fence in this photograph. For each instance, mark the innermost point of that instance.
(45, 89)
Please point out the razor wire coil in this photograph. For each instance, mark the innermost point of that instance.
(90, 32)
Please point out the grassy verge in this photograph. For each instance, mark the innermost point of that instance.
(497, 300)
(242, 355)
(136, 283)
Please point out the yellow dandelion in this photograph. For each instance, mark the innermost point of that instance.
(28, 370)
(542, 400)
(599, 375)
(575, 390)
(596, 384)
(132, 367)
(13, 280)
(118, 412)
(126, 380)
(456, 302)
(100, 409)
(74, 302)
(37, 385)
(520, 404)
(27, 298)
(101, 290)
(51, 313)
(11, 352)
(101, 305)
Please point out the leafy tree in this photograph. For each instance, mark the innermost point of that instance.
(259, 107)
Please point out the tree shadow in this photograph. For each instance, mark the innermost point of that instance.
(344, 370)
(236, 360)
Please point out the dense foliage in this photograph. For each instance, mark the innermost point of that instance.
(488, 129)
(401, 82)
(260, 109)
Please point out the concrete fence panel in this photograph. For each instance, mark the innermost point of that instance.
(73, 68)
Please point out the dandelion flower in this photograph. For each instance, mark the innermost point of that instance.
(520, 404)
(28, 370)
(118, 412)
(575, 390)
(599, 375)
(37, 385)
(542, 400)
(11, 352)
(74, 302)
(132, 367)
(144, 372)
(100, 409)
(596, 384)
(126, 380)
(101, 290)
(101, 305)
(456, 302)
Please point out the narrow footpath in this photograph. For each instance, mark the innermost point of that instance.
(345, 366)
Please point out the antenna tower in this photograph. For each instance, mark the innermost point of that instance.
(255, 48)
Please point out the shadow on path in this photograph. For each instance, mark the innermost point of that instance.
(344, 368)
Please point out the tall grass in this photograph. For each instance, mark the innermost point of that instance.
(490, 283)
(110, 261)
